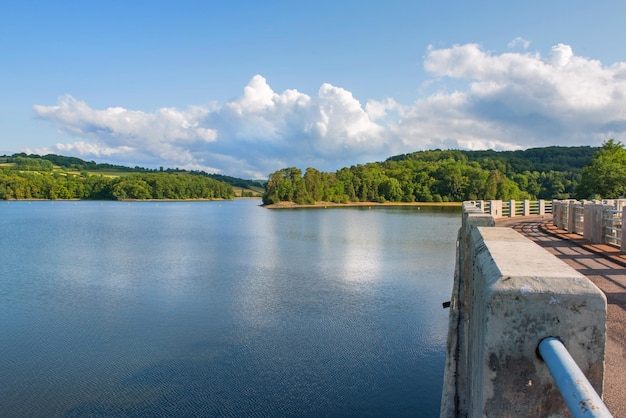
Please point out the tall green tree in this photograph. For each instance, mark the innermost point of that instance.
(282, 186)
(313, 183)
(605, 175)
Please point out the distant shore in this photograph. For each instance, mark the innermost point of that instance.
(321, 205)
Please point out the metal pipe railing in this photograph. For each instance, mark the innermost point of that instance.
(521, 208)
(608, 230)
(612, 223)
(580, 397)
(579, 219)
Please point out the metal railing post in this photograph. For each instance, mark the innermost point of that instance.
(579, 396)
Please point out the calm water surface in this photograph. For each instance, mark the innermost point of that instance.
(222, 309)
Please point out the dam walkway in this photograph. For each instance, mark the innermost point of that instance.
(605, 266)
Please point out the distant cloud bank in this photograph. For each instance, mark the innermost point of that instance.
(508, 101)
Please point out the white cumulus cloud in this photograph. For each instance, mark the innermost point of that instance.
(527, 100)
(519, 42)
(509, 100)
(250, 136)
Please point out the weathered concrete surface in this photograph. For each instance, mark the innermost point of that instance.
(455, 380)
(508, 295)
(623, 244)
(496, 208)
(592, 228)
(606, 267)
(520, 295)
(571, 218)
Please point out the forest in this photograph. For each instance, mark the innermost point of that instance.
(58, 177)
(423, 176)
(440, 176)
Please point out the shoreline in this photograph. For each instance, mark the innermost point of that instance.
(279, 205)
(324, 205)
(199, 199)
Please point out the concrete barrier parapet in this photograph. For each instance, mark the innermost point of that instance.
(523, 294)
(600, 221)
(593, 222)
(508, 295)
(511, 208)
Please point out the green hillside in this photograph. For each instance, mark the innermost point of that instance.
(439, 176)
(423, 176)
(59, 177)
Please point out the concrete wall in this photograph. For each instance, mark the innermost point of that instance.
(623, 243)
(596, 216)
(455, 383)
(508, 295)
(571, 218)
(559, 214)
(496, 208)
(593, 228)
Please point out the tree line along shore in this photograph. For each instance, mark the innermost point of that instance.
(35, 177)
(423, 177)
(318, 205)
(444, 176)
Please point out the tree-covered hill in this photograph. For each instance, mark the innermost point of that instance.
(74, 163)
(58, 177)
(551, 158)
(448, 175)
(423, 176)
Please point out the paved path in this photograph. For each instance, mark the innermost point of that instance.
(606, 267)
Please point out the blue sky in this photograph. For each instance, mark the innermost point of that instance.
(248, 87)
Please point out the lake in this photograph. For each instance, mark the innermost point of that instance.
(222, 309)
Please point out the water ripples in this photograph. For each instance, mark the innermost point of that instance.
(191, 309)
